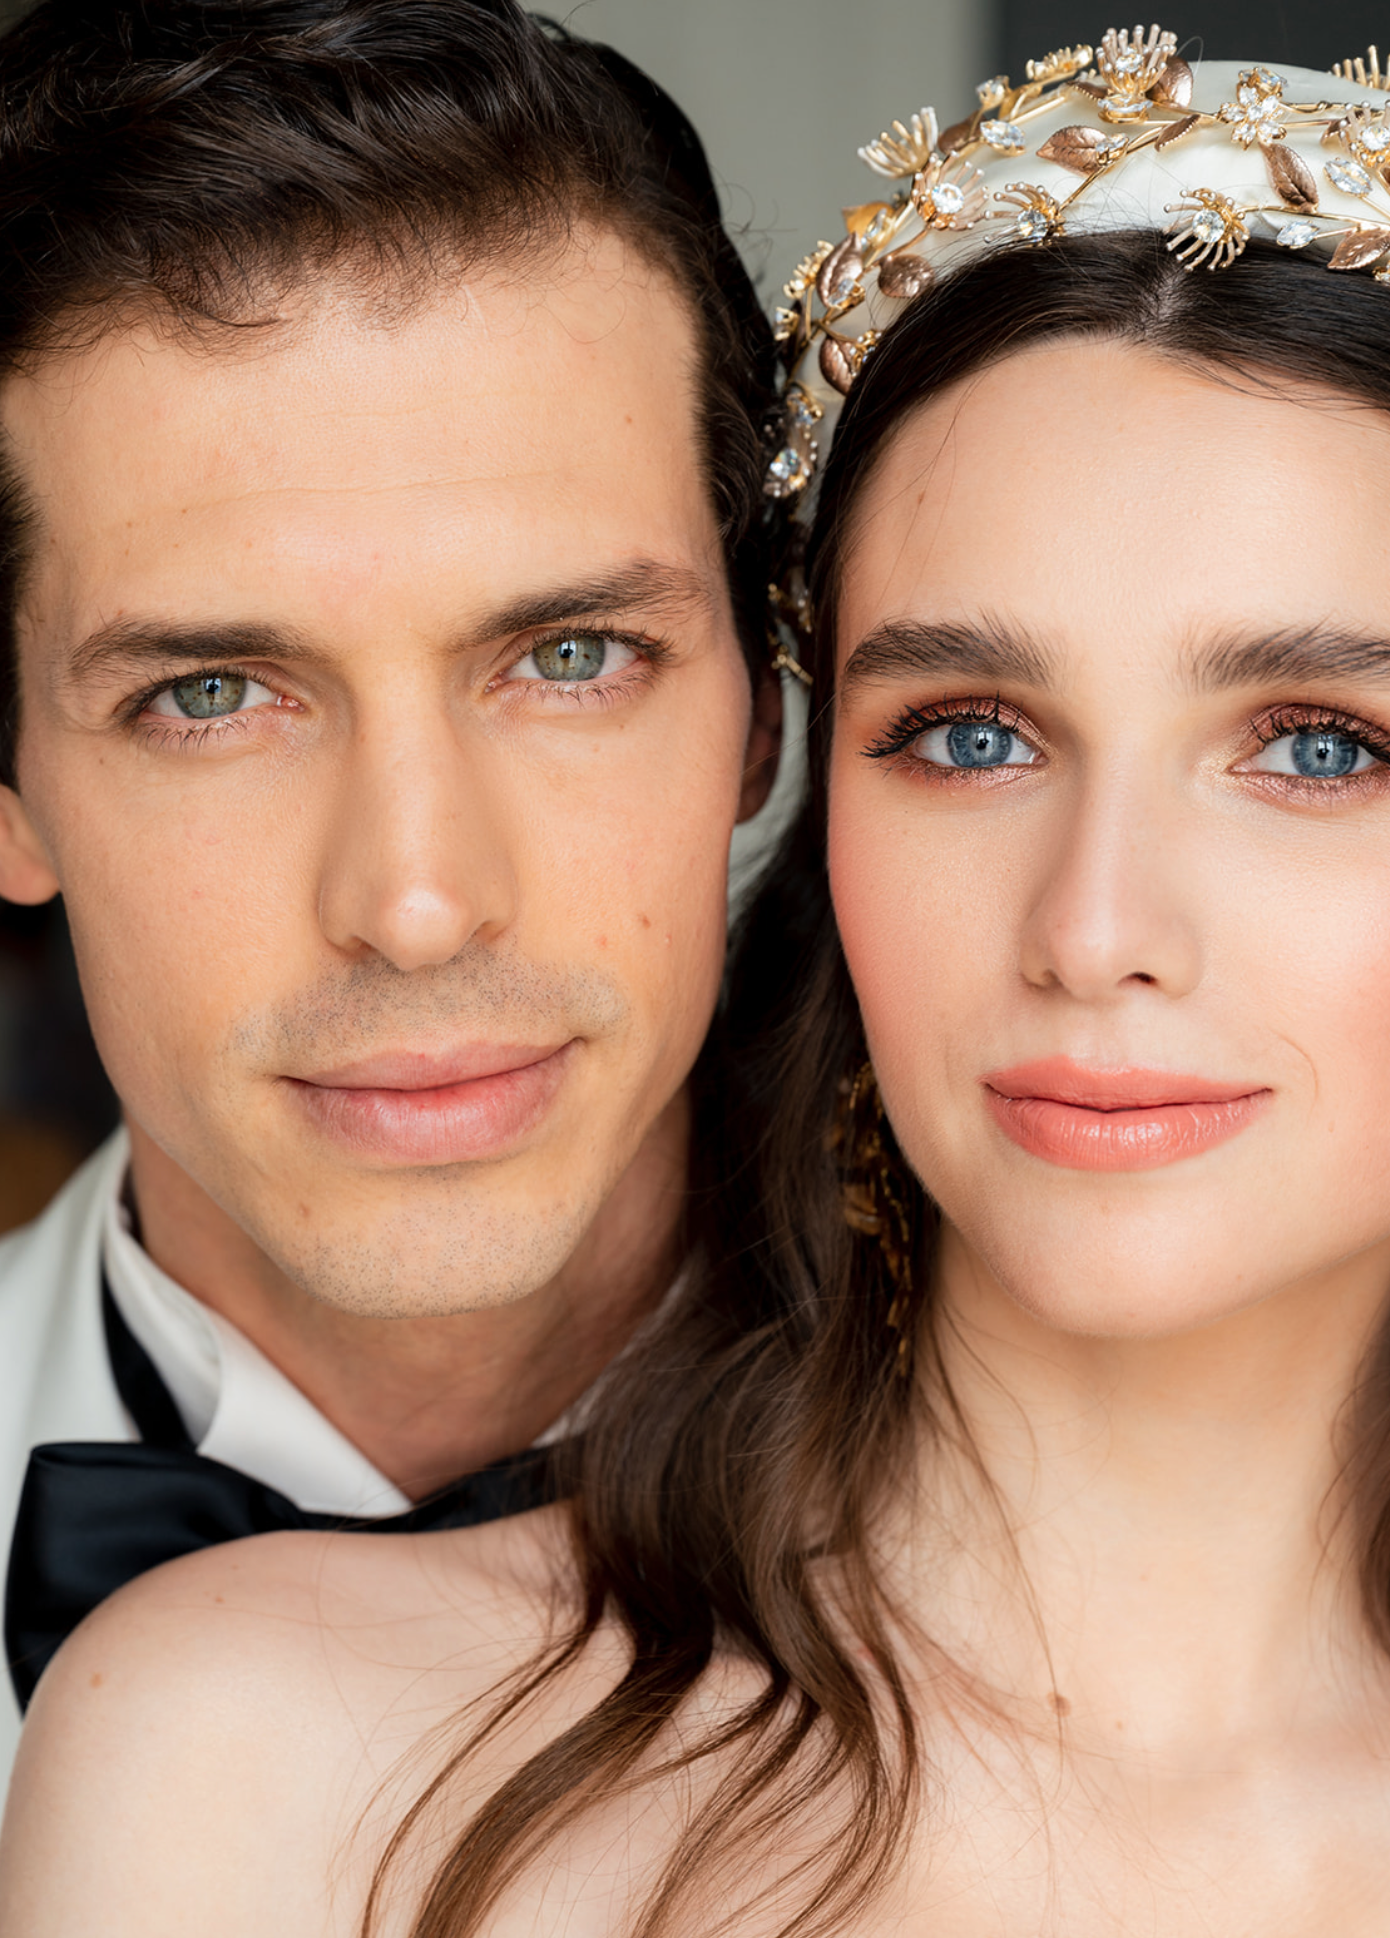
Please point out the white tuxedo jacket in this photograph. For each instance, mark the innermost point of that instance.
(55, 1377)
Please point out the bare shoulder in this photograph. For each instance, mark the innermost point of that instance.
(212, 1737)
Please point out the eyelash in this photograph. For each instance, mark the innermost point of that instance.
(167, 732)
(607, 690)
(915, 721)
(1280, 721)
(1275, 724)
(192, 734)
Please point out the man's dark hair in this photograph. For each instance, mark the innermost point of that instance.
(201, 159)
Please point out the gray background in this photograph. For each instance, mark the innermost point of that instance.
(784, 91)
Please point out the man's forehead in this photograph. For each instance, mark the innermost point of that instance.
(502, 413)
(602, 343)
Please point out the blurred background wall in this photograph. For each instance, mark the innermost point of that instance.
(783, 91)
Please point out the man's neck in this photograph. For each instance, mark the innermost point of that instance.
(429, 1399)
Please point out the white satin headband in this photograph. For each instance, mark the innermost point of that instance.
(1125, 136)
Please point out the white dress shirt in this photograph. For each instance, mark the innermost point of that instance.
(56, 1382)
(237, 1406)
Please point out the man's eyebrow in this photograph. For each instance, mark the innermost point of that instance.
(641, 584)
(129, 644)
(1300, 656)
(907, 648)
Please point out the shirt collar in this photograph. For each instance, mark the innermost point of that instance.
(237, 1406)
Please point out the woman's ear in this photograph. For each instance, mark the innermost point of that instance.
(764, 744)
(26, 873)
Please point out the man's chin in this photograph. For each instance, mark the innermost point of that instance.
(421, 1264)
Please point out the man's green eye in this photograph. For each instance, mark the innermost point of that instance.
(582, 656)
(210, 696)
(207, 696)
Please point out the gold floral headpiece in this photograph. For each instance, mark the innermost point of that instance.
(1127, 135)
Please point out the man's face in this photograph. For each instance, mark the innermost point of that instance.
(383, 726)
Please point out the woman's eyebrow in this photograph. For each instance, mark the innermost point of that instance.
(1298, 655)
(909, 648)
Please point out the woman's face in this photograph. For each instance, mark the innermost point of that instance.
(1110, 828)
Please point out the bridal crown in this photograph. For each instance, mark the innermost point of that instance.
(1126, 135)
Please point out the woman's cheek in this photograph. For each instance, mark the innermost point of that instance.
(903, 911)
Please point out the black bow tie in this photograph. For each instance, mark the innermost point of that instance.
(94, 1515)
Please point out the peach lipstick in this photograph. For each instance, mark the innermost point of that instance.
(1116, 1120)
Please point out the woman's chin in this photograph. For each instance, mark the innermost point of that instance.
(1112, 1276)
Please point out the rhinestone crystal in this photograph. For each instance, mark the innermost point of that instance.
(1374, 137)
(1003, 135)
(1272, 83)
(788, 467)
(1349, 176)
(1208, 225)
(1032, 225)
(1295, 235)
(947, 199)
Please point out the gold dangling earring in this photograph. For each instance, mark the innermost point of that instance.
(871, 1193)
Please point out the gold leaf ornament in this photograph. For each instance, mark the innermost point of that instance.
(842, 358)
(1177, 129)
(1173, 88)
(903, 277)
(1294, 182)
(872, 222)
(959, 135)
(839, 274)
(1359, 250)
(1083, 150)
(837, 365)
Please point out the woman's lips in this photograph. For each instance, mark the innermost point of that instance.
(1116, 1120)
(409, 1108)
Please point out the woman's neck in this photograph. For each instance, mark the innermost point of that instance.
(1154, 1542)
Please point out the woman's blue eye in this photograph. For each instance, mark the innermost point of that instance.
(1317, 753)
(210, 696)
(576, 657)
(973, 743)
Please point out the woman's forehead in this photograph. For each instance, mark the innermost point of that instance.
(1082, 486)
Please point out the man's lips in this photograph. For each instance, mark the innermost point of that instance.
(1116, 1120)
(431, 1107)
(429, 1069)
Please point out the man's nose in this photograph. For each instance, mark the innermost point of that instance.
(417, 861)
(1112, 907)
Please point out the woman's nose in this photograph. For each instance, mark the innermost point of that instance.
(1110, 908)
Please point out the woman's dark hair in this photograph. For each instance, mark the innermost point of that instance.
(751, 1438)
(203, 158)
